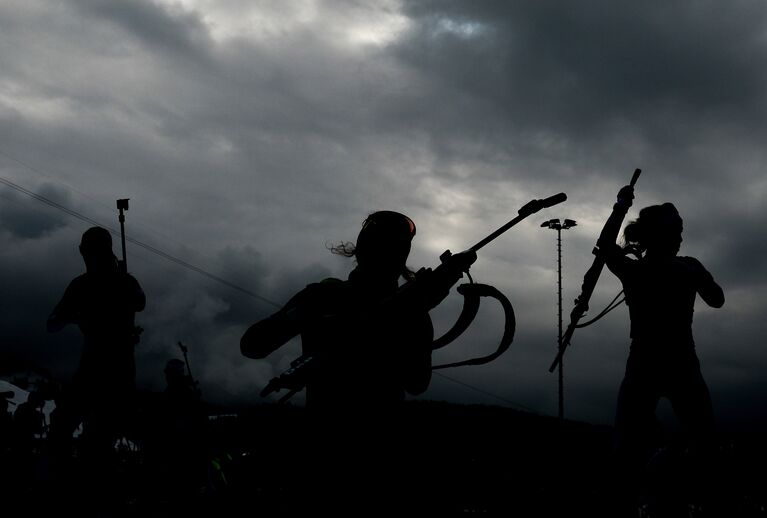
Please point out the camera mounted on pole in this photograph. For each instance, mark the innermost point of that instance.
(122, 205)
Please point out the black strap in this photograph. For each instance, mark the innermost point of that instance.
(472, 293)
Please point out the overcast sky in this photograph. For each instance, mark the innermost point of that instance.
(249, 135)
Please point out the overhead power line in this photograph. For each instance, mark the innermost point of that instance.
(145, 246)
(486, 393)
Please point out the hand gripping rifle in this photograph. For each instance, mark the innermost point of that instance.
(607, 237)
(294, 379)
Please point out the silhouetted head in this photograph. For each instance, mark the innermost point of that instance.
(658, 230)
(96, 248)
(383, 244)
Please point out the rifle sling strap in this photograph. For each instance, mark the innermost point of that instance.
(472, 293)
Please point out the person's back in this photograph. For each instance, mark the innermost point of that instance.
(661, 297)
(661, 289)
(362, 356)
(368, 342)
(369, 339)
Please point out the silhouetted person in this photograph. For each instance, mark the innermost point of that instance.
(660, 290)
(102, 302)
(370, 339)
(29, 422)
(176, 446)
(6, 426)
(6, 418)
(9, 475)
(370, 343)
(28, 428)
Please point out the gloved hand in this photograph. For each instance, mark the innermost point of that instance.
(453, 266)
(626, 195)
(435, 284)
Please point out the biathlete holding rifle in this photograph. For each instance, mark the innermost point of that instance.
(367, 341)
(660, 289)
(370, 339)
(371, 307)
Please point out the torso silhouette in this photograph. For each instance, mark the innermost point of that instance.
(660, 295)
(365, 353)
(103, 305)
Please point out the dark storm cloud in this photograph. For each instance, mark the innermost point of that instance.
(577, 68)
(32, 273)
(158, 27)
(22, 221)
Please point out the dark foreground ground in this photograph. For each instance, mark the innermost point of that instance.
(455, 460)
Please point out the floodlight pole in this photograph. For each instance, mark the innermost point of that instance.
(555, 224)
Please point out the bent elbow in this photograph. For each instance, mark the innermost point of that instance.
(716, 298)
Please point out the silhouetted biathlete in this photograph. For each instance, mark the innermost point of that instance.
(102, 302)
(370, 341)
(369, 338)
(660, 289)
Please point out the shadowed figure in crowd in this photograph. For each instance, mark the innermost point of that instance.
(176, 445)
(28, 427)
(660, 290)
(369, 340)
(102, 302)
(9, 474)
(29, 422)
(6, 427)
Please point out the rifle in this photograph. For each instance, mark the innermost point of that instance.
(184, 350)
(607, 237)
(294, 379)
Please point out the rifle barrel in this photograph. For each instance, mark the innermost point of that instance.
(527, 210)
